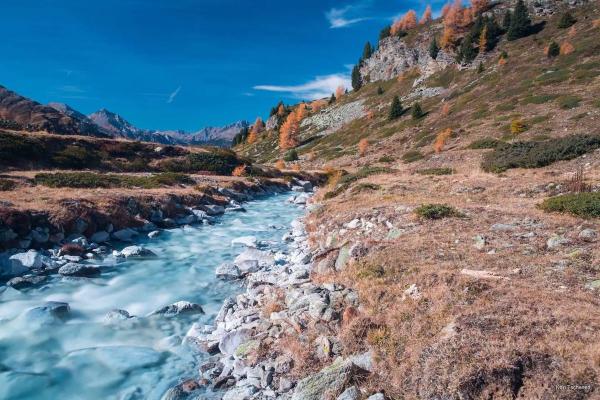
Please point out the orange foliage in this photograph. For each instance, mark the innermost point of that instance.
(502, 61)
(596, 23)
(296, 167)
(240, 170)
(281, 110)
(280, 164)
(572, 32)
(318, 105)
(479, 6)
(339, 92)
(483, 39)
(370, 115)
(257, 128)
(363, 145)
(456, 18)
(566, 48)
(407, 22)
(446, 109)
(441, 139)
(289, 129)
(426, 18)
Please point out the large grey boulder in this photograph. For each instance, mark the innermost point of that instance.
(8, 268)
(179, 308)
(80, 270)
(24, 282)
(228, 271)
(213, 209)
(100, 237)
(125, 235)
(136, 251)
(29, 259)
(49, 313)
(330, 380)
(263, 258)
(232, 340)
(351, 393)
(248, 241)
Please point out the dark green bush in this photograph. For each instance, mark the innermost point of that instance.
(291, 155)
(436, 171)
(365, 187)
(437, 211)
(485, 143)
(585, 205)
(386, 159)
(412, 156)
(569, 102)
(10, 124)
(76, 157)
(364, 172)
(7, 185)
(220, 161)
(566, 20)
(95, 180)
(538, 154)
(19, 148)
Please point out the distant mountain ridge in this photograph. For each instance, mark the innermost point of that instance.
(26, 114)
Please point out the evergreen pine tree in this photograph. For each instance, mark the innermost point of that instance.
(566, 20)
(367, 51)
(467, 52)
(506, 20)
(385, 32)
(356, 79)
(332, 99)
(434, 49)
(396, 110)
(379, 90)
(417, 111)
(493, 33)
(520, 23)
(553, 50)
(480, 68)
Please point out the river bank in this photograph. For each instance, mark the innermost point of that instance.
(120, 333)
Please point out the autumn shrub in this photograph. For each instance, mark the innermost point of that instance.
(291, 155)
(566, 48)
(485, 143)
(568, 102)
(363, 145)
(441, 139)
(436, 171)
(436, 211)
(240, 170)
(538, 154)
(7, 185)
(280, 164)
(585, 205)
(412, 156)
(517, 126)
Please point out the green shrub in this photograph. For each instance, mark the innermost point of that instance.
(412, 156)
(538, 99)
(95, 180)
(76, 157)
(585, 205)
(7, 185)
(437, 211)
(19, 148)
(566, 20)
(364, 172)
(365, 187)
(553, 50)
(10, 124)
(436, 171)
(538, 154)
(291, 155)
(568, 102)
(386, 159)
(485, 143)
(220, 161)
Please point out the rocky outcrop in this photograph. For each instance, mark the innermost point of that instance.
(333, 118)
(394, 57)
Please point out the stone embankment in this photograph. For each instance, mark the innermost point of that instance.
(247, 339)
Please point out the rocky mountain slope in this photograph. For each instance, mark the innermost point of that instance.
(20, 113)
(466, 222)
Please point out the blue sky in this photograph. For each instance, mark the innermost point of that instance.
(185, 64)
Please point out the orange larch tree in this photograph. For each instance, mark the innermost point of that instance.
(289, 130)
(426, 18)
(339, 92)
(441, 139)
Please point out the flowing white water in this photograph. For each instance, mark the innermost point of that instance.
(84, 358)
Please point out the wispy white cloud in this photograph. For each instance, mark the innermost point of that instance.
(173, 95)
(321, 86)
(340, 17)
(71, 89)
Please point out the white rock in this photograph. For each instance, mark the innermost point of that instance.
(136, 251)
(248, 241)
(588, 235)
(29, 259)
